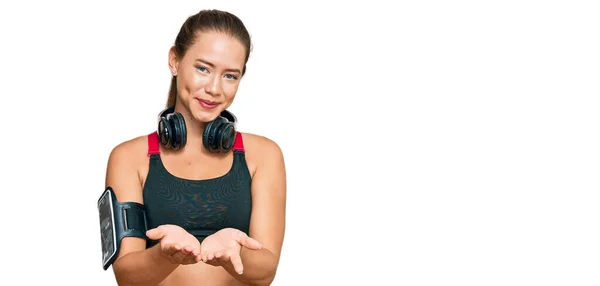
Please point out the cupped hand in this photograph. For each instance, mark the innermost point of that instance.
(224, 247)
(176, 244)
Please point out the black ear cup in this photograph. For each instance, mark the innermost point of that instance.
(179, 137)
(164, 132)
(219, 134)
(171, 129)
(227, 135)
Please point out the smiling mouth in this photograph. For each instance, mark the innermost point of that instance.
(208, 104)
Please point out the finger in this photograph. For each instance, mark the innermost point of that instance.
(189, 258)
(203, 256)
(214, 262)
(188, 249)
(171, 249)
(236, 261)
(224, 258)
(184, 255)
(155, 233)
(180, 257)
(176, 247)
(221, 258)
(190, 255)
(251, 243)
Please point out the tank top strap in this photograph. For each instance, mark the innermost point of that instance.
(153, 146)
(238, 144)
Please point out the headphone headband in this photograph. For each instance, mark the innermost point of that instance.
(166, 112)
(229, 116)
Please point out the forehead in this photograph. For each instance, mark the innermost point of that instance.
(217, 48)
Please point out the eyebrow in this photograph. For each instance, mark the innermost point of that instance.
(212, 65)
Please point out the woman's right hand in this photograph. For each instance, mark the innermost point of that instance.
(176, 244)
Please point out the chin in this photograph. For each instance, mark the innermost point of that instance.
(204, 115)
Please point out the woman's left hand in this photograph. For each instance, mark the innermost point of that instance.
(224, 247)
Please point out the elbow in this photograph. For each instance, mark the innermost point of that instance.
(123, 281)
(265, 282)
(123, 277)
(267, 279)
(121, 274)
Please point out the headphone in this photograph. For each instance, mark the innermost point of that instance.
(218, 137)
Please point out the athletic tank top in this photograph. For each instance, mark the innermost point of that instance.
(202, 207)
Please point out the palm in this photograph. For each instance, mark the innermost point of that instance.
(176, 244)
(177, 233)
(222, 241)
(224, 247)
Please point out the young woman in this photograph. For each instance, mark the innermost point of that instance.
(215, 197)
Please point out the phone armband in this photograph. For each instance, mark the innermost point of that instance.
(118, 220)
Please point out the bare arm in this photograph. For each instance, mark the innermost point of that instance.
(267, 223)
(135, 264)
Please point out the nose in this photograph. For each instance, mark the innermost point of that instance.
(213, 86)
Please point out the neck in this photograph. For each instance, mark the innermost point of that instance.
(194, 131)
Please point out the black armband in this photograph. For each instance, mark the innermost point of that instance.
(118, 220)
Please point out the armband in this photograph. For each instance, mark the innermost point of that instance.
(118, 220)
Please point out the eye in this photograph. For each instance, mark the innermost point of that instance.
(230, 76)
(202, 69)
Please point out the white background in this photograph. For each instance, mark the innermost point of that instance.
(427, 143)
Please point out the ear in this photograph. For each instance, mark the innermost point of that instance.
(173, 60)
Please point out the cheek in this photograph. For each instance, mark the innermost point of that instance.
(197, 81)
(230, 89)
(188, 83)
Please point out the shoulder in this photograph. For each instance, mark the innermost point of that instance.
(262, 153)
(260, 146)
(129, 152)
(123, 169)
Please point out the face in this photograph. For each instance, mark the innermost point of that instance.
(208, 75)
